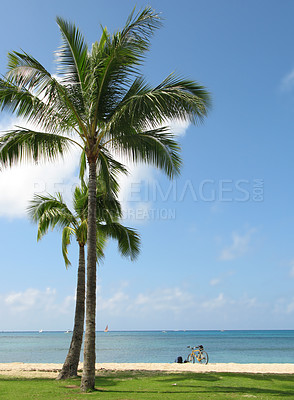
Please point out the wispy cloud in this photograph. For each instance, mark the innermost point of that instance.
(218, 302)
(287, 83)
(33, 309)
(178, 127)
(239, 247)
(217, 280)
(284, 306)
(123, 308)
(291, 273)
(35, 299)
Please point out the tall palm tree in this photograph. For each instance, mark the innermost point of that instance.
(101, 104)
(50, 212)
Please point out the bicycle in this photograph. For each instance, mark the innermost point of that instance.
(197, 354)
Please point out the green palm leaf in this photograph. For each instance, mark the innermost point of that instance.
(108, 170)
(20, 101)
(25, 71)
(155, 146)
(66, 238)
(127, 238)
(49, 212)
(101, 244)
(174, 98)
(72, 55)
(26, 144)
(116, 58)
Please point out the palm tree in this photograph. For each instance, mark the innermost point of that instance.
(50, 212)
(101, 104)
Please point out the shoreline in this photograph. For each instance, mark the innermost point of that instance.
(50, 370)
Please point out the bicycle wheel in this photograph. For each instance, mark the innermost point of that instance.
(191, 358)
(204, 358)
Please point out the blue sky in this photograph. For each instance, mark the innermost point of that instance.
(217, 243)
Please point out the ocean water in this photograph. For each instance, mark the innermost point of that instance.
(153, 346)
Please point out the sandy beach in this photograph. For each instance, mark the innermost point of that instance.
(19, 369)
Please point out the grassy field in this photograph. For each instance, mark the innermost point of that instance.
(151, 385)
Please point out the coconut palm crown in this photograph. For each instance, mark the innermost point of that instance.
(101, 103)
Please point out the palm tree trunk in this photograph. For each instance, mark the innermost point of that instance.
(88, 378)
(70, 366)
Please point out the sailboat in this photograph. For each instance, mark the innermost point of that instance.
(106, 328)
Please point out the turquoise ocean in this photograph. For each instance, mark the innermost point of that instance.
(153, 346)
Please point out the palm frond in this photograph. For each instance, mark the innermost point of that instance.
(72, 55)
(50, 115)
(80, 202)
(49, 212)
(101, 242)
(81, 232)
(25, 71)
(66, 237)
(156, 147)
(108, 171)
(128, 239)
(138, 30)
(26, 144)
(83, 167)
(174, 98)
(115, 60)
(28, 75)
(108, 208)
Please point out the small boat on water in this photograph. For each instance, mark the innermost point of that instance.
(106, 329)
(68, 331)
(41, 331)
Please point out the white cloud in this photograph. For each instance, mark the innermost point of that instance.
(217, 302)
(292, 269)
(22, 301)
(34, 299)
(215, 281)
(239, 247)
(287, 83)
(219, 279)
(19, 183)
(33, 309)
(284, 306)
(178, 127)
(167, 299)
(290, 307)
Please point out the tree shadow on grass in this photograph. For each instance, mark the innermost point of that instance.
(272, 377)
(200, 384)
(199, 377)
(195, 382)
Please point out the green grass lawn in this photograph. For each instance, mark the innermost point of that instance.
(154, 385)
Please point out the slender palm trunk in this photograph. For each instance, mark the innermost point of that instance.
(70, 366)
(88, 378)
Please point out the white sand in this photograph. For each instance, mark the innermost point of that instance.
(51, 370)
